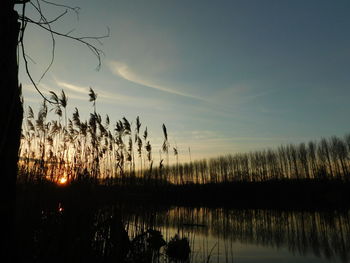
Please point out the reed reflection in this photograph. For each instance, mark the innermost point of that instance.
(324, 234)
(121, 232)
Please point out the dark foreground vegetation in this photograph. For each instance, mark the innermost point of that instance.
(306, 194)
(91, 231)
(73, 231)
(78, 181)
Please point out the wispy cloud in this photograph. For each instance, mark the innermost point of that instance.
(73, 87)
(81, 92)
(29, 88)
(122, 70)
(102, 95)
(241, 93)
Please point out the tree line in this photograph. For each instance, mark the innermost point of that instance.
(325, 159)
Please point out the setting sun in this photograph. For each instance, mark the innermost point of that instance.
(62, 180)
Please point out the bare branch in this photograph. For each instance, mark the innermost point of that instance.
(30, 76)
(22, 30)
(43, 18)
(83, 40)
(46, 25)
(31, 59)
(75, 9)
(51, 21)
(40, 12)
(21, 1)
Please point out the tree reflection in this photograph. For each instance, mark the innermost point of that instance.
(67, 232)
(325, 234)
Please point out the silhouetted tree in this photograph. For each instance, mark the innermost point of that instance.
(11, 114)
(12, 28)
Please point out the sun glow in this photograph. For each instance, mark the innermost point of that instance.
(63, 180)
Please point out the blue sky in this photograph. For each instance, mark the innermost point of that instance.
(224, 76)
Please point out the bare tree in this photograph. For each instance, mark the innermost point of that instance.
(12, 30)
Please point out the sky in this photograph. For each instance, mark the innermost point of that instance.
(223, 76)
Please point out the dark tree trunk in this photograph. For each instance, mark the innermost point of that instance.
(11, 114)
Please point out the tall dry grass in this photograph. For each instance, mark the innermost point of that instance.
(94, 150)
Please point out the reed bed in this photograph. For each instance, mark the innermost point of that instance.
(68, 149)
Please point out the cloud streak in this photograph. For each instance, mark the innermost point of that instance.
(73, 87)
(122, 70)
(104, 96)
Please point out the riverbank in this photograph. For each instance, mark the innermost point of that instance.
(305, 194)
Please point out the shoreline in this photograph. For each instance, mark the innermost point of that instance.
(287, 194)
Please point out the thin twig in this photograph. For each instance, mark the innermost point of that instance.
(97, 52)
(30, 76)
(46, 25)
(51, 21)
(23, 27)
(31, 59)
(74, 9)
(43, 18)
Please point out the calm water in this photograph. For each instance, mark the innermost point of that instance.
(257, 235)
(109, 233)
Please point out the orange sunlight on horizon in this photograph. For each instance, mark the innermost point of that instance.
(63, 180)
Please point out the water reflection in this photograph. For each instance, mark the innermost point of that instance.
(325, 234)
(124, 233)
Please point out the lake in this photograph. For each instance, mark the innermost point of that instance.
(130, 233)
